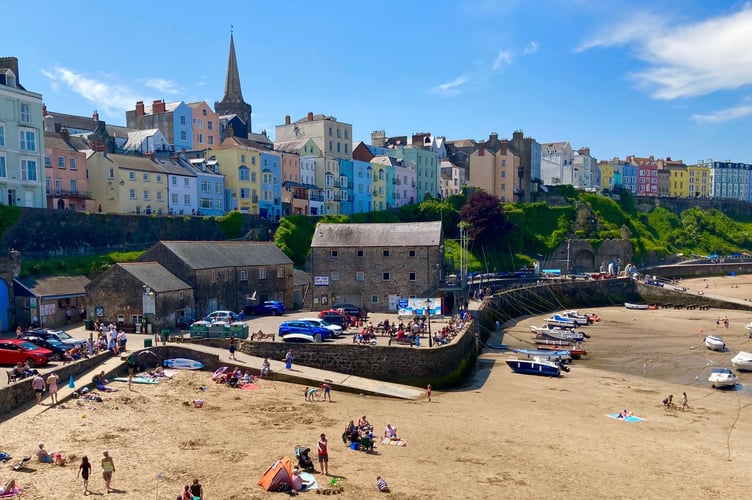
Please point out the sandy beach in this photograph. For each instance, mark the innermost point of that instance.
(501, 436)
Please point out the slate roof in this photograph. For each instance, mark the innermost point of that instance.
(300, 278)
(63, 120)
(54, 141)
(118, 131)
(174, 167)
(155, 276)
(55, 286)
(133, 163)
(214, 254)
(406, 234)
(137, 137)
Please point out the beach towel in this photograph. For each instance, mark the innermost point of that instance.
(395, 442)
(307, 478)
(629, 418)
(11, 494)
(249, 387)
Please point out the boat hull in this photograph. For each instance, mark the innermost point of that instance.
(722, 378)
(630, 305)
(715, 343)
(742, 362)
(534, 367)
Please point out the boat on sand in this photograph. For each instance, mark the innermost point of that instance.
(742, 361)
(535, 366)
(715, 343)
(722, 377)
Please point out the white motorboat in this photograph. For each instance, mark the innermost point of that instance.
(535, 366)
(722, 377)
(715, 343)
(560, 321)
(554, 355)
(631, 305)
(742, 361)
(548, 328)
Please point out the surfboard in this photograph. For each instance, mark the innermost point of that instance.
(183, 364)
(137, 380)
(628, 418)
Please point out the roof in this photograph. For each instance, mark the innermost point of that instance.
(75, 122)
(173, 167)
(55, 286)
(137, 137)
(214, 254)
(132, 162)
(118, 131)
(404, 234)
(169, 107)
(54, 141)
(155, 276)
(300, 278)
(260, 138)
(316, 118)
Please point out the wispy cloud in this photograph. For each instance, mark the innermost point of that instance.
(163, 85)
(724, 115)
(531, 48)
(503, 57)
(113, 99)
(687, 60)
(453, 87)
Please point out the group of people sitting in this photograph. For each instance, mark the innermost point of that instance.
(367, 335)
(110, 339)
(359, 437)
(233, 378)
(73, 354)
(22, 370)
(47, 458)
(447, 334)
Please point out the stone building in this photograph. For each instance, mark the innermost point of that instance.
(226, 274)
(48, 299)
(127, 293)
(375, 265)
(10, 268)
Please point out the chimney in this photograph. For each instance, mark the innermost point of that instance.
(49, 123)
(140, 108)
(158, 107)
(149, 155)
(98, 147)
(287, 119)
(95, 115)
(44, 110)
(310, 116)
(493, 136)
(64, 134)
(481, 148)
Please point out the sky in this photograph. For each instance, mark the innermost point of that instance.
(667, 78)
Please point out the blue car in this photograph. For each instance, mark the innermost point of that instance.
(273, 307)
(301, 330)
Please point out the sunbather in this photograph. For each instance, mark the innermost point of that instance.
(363, 423)
(390, 432)
(9, 487)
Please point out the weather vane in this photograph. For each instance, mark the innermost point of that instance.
(231, 28)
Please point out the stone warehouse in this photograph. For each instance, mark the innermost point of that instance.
(375, 265)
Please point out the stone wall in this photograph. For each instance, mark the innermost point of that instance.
(704, 269)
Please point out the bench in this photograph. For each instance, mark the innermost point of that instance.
(261, 336)
(403, 341)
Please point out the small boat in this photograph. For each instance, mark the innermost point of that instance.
(561, 335)
(722, 377)
(592, 317)
(557, 320)
(574, 350)
(632, 305)
(549, 328)
(542, 340)
(551, 355)
(742, 361)
(535, 366)
(579, 319)
(715, 343)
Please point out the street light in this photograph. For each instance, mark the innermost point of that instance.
(428, 313)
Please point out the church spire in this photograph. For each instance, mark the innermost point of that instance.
(232, 103)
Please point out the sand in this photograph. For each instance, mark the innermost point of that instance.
(502, 436)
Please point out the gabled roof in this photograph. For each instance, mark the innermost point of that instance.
(54, 286)
(316, 118)
(131, 162)
(137, 137)
(300, 278)
(154, 275)
(406, 234)
(290, 146)
(169, 107)
(213, 254)
(118, 131)
(173, 167)
(55, 141)
(62, 120)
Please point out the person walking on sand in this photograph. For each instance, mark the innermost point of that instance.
(684, 402)
(288, 360)
(38, 385)
(428, 392)
(197, 490)
(323, 454)
(108, 467)
(52, 381)
(131, 370)
(326, 391)
(84, 470)
(232, 348)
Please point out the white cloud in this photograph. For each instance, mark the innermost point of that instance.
(112, 99)
(531, 48)
(503, 57)
(724, 115)
(687, 60)
(453, 87)
(163, 85)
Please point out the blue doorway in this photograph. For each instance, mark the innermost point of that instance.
(4, 307)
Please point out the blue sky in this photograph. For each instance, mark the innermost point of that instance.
(669, 78)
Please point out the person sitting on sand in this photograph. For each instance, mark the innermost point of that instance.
(42, 454)
(363, 423)
(298, 484)
(381, 485)
(265, 368)
(669, 401)
(8, 487)
(390, 432)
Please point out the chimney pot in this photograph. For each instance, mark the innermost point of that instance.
(310, 116)
(481, 148)
(287, 119)
(95, 115)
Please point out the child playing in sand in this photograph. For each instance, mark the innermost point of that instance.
(381, 485)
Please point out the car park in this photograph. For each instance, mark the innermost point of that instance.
(335, 330)
(273, 307)
(222, 316)
(335, 318)
(298, 327)
(58, 348)
(59, 335)
(14, 351)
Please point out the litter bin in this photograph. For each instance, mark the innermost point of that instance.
(147, 343)
(165, 334)
(89, 324)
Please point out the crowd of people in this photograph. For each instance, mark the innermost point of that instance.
(109, 339)
(233, 377)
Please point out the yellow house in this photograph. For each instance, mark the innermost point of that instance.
(126, 184)
(240, 162)
(698, 181)
(607, 175)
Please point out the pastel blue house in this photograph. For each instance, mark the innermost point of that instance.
(210, 186)
(362, 186)
(629, 177)
(270, 203)
(345, 187)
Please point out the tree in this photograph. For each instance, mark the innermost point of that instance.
(485, 216)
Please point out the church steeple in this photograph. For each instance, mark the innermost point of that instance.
(232, 103)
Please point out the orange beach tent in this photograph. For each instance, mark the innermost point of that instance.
(278, 475)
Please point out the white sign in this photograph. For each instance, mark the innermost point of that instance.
(418, 306)
(321, 280)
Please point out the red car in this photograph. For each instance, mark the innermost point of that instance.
(335, 318)
(13, 351)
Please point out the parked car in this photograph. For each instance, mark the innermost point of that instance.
(58, 348)
(335, 330)
(348, 309)
(319, 333)
(273, 307)
(14, 351)
(335, 318)
(224, 316)
(59, 335)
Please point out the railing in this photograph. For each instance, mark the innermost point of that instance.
(316, 197)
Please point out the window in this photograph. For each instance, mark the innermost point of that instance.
(27, 140)
(245, 193)
(360, 276)
(2, 135)
(72, 164)
(262, 273)
(146, 194)
(200, 138)
(243, 273)
(205, 186)
(346, 149)
(374, 299)
(280, 272)
(385, 276)
(74, 186)
(385, 253)
(132, 176)
(330, 146)
(182, 120)
(58, 187)
(186, 199)
(60, 162)
(411, 276)
(183, 135)
(132, 194)
(111, 173)
(205, 203)
(253, 160)
(253, 177)
(359, 253)
(242, 158)
(174, 181)
(25, 112)
(174, 198)
(411, 253)
(28, 170)
(159, 195)
(210, 125)
(335, 275)
(3, 167)
(47, 185)
(347, 136)
(146, 177)
(47, 161)
(334, 254)
(159, 178)
(211, 139)
(244, 174)
(214, 276)
(330, 131)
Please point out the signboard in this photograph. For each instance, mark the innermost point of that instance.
(321, 280)
(99, 311)
(419, 305)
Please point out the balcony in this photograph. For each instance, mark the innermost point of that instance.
(316, 197)
(84, 195)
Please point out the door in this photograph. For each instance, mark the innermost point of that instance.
(4, 307)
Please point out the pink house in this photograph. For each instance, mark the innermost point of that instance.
(205, 126)
(66, 183)
(647, 175)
